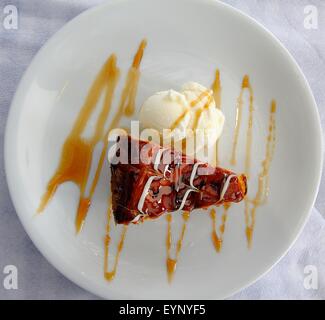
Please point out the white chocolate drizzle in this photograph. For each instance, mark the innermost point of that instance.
(137, 218)
(145, 192)
(158, 157)
(226, 186)
(185, 198)
(178, 177)
(192, 187)
(166, 169)
(193, 174)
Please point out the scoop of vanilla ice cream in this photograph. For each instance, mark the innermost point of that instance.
(193, 91)
(184, 112)
(209, 118)
(162, 111)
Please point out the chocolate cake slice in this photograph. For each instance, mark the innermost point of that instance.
(148, 180)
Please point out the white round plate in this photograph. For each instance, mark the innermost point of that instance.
(187, 40)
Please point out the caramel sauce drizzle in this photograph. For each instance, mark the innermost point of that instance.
(217, 240)
(249, 135)
(171, 264)
(126, 105)
(77, 152)
(216, 89)
(77, 155)
(179, 120)
(75, 148)
(201, 97)
(263, 178)
(110, 275)
(197, 114)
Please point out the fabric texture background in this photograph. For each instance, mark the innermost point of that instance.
(38, 21)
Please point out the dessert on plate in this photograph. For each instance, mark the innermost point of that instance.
(165, 168)
(165, 180)
(153, 179)
(179, 115)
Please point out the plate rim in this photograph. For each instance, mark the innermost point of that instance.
(10, 134)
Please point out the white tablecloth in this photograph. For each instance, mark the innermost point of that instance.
(38, 20)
